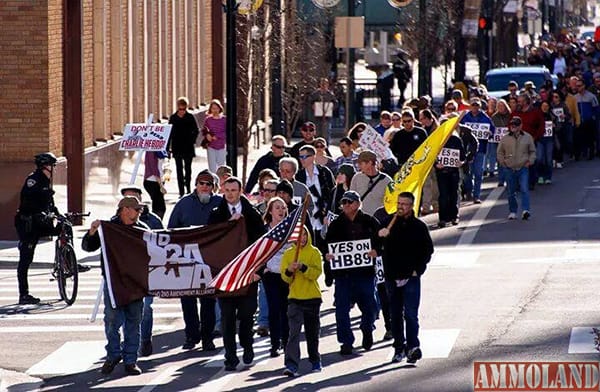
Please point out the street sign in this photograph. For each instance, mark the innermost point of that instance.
(349, 31)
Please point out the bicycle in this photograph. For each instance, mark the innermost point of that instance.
(65, 269)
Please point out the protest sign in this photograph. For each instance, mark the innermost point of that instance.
(147, 137)
(350, 254)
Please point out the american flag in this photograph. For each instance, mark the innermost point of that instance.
(240, 271)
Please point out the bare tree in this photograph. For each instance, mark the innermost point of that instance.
(304, 63)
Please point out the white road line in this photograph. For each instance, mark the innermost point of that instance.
(14, 298)
(71, 316)
(70, 358)
(160, 379)
(217, 382)
(69, 328)
(529, 245)
(259, 346)
(435, 343)
(478, 219)
(63, 306)
(582, 341)
(50, 288)
(454, 259)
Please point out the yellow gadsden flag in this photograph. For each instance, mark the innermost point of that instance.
(412, 175)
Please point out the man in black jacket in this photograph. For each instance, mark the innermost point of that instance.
(407, 248)
(407, 139)
(243, 305)
(268, 161)
(447, 170)
(353, 272)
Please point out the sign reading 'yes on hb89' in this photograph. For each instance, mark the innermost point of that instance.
(350, 254)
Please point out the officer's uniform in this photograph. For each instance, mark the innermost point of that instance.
(36, 201)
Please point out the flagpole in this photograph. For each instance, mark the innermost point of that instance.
(302, 220)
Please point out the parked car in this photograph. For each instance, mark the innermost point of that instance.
(496, 80)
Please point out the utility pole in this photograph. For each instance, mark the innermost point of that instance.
(231, 81)
(350, 60)
(424, 67)
(275, 42)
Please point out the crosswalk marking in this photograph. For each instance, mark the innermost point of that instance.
(71, 316)
(454, 259)
(435, 343)
(70, 358)
(71, 328)
(582, 341)
(261, 351)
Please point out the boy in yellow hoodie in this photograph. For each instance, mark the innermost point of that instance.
(304, 302)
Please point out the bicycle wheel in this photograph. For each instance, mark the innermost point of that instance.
(68, 276)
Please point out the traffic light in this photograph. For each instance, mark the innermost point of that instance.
(485, 23)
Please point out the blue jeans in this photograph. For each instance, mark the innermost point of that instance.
(129, 317)
(277, 292)
(543, 152)
(146, 327)
(263, 307)
(476, 174)
(350, 289)
(404, 307)
(518, 180)
(490, 157)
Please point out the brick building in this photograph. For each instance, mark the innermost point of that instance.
(136, 58)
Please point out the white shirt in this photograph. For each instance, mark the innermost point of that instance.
(238, 208)
(560, 66)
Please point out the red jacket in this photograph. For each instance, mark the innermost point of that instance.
(533, 122)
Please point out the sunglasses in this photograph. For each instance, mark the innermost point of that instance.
(346, 201)
(320, 146)
(137, 209)
(269, 190)
(396, 119)
(515, 123)
(406, 121)
(205, 183)
(305, 156)
(280, 147)
(307, 130)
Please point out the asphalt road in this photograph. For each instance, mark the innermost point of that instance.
(496, 290)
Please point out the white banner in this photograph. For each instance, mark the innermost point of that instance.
(153, 137)
(379, 275)
(350, 254)
(480, 130)
(500, 133)
(548, 128)
(450, 157)
(373, 141)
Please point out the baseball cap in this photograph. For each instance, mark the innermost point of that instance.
(516, 120)
(133, 188)
(131, 202)
(475, 101)
(351, 196)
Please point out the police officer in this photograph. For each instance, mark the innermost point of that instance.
(32, 220)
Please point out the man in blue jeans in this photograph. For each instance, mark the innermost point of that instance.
(407, 248)
(353, 274)
(128, 316)
(516, 153)
(154, 223)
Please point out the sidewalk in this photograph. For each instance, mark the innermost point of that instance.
(103, 205)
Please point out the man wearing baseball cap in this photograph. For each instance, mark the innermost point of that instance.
(369, 183)
(516, 152)
(354, 281)
(128, 316)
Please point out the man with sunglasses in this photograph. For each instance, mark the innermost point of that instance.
(354, 282)
(307, 131)
(407, 139)
(268, 161)
(194, 210)
(128, 316)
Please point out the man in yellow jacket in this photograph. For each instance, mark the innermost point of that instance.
(304, 302)
(516, 152)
